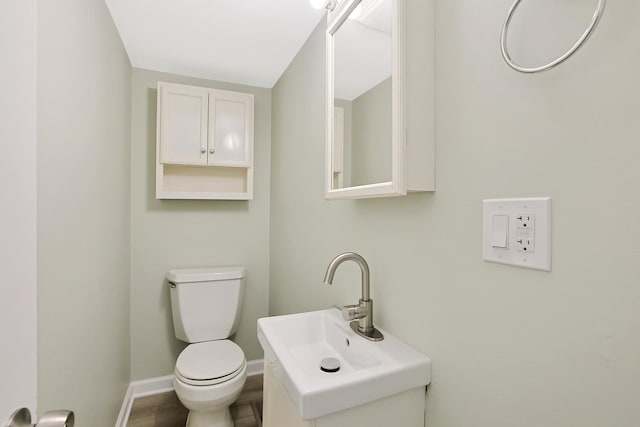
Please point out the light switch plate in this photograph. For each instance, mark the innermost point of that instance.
(528, 235)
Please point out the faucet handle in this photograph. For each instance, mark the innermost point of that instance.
(353, 312)
(348, 311)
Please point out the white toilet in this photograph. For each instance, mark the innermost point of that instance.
(211, 371)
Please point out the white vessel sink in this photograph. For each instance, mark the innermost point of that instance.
(295, 344)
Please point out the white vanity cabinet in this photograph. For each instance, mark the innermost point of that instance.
(204, 143)
(404, 409)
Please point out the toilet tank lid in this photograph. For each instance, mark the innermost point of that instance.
(207, 274)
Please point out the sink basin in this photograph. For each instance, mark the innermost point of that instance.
(295, 344)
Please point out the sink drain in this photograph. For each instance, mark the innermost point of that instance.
(329, 364)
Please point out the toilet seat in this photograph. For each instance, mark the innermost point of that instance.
(209, 363)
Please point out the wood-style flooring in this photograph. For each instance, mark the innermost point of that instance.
(165, 410)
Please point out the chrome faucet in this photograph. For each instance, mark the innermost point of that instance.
(362, 313)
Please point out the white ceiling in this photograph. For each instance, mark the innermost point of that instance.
(241, 41)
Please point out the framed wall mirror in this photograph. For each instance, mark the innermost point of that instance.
(365, 122)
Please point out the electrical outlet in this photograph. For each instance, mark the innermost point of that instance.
(526, 221)
(526, 245)
(525, 232)
(528, 232)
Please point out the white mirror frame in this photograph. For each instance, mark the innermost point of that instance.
(398, 184)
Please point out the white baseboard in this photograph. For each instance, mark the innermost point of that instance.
(164, 384)
(140, 389)
(125, 410)
(255, 367)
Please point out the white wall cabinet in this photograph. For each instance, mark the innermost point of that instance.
(204, 143)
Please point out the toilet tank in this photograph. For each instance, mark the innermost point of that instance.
(205, 302)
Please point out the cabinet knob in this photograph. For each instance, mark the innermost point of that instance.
(203, 150)
(212, 150)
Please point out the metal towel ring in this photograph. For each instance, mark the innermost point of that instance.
(505, 52)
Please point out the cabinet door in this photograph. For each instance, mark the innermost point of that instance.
(278, 410)
(230, 128)
(183, 119)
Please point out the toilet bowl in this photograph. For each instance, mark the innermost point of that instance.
(211, 371)
(209, 377)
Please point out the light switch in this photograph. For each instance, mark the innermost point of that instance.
(499, 231)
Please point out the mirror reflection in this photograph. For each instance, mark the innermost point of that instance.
(363, 65)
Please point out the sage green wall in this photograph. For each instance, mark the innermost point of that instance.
(84, 116)
(190, 233)
(510, 346)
